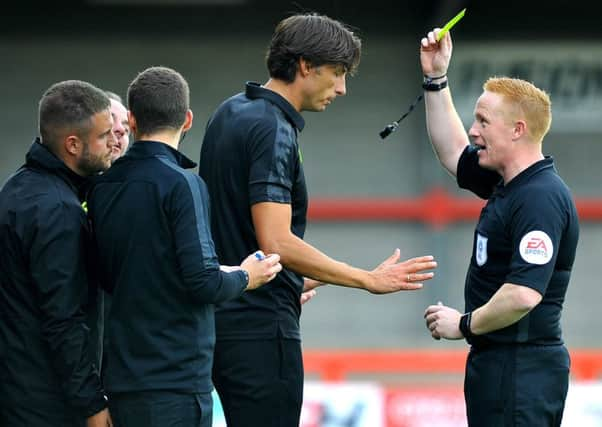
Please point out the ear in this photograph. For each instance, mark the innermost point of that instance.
(132, 123)
(304, 67)
(72, 144)
(187, 121)
(519, 130)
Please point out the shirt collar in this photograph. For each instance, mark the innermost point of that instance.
(144, 149)
(525, 175)
(255, 90)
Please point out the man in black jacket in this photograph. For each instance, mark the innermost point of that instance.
(150, 220)
(47, 376)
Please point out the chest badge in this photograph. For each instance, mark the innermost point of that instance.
(480, 250)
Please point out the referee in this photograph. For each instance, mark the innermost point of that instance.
(523, 252)
(251, 162)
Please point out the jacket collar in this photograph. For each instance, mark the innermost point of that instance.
(143, 149)
(40, 157)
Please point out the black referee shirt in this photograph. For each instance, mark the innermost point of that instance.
(250, 155)
(526, 235)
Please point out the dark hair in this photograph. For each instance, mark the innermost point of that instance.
(158, 98)
(317, 39)
(114, 96)
(69, 105)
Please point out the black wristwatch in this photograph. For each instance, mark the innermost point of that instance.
(429, 86)
(465, 325)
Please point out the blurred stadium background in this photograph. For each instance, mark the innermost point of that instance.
(219, 44)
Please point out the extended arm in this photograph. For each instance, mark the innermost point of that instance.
(272, 222)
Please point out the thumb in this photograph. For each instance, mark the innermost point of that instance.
(394, 257)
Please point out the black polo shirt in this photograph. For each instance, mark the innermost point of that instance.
(150, 218)
(250, 155)
(526, 235)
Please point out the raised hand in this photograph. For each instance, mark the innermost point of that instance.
(435, 55)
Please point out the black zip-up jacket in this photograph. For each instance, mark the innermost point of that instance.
(150, 219)
(47, 375)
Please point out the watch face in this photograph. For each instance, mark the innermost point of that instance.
(429, 86)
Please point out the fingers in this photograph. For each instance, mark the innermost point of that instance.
(421, 263)
(420, 259)
(306, 296)
(309, 284)
(410, 286)
(432, 36)
(270, 259)
(415, 265)
(431, 323)
(275, 269)
(420, 277)
(273, 264)
(432, 309)
(430, 41)
(422, 266)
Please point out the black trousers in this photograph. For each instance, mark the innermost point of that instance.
(161, 409)
(259, 382)
(516, 385)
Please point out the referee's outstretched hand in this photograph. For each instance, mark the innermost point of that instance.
(393, 276)
(261, 268)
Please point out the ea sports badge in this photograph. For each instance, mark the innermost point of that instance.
(536, 247)
(480, 250)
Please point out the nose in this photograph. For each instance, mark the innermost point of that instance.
(116, 136)
(118, 129)
(112, 139)
(472, 132)
(340, 87)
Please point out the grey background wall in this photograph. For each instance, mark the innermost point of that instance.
(217, 48)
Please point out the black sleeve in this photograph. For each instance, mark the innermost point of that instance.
(188, 212)
(274, 158)
(473, 177)
(58, 270)
(536, 226)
